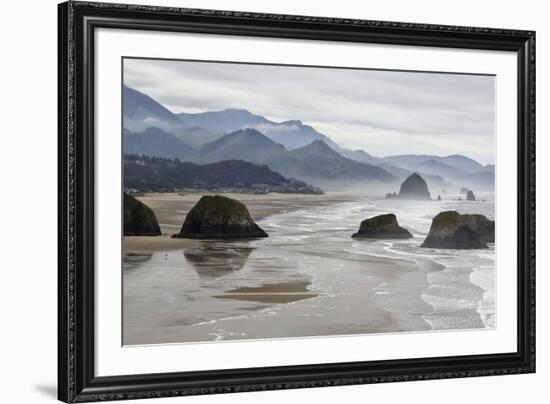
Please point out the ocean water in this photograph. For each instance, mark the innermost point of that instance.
(356, 286)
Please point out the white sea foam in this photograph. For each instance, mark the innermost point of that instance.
(484, 277)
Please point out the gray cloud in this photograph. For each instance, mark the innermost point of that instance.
(382, 112)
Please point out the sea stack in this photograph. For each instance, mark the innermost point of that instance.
(382, 227)
(414, 187)
(453, 230)
(470, 196)
(139, 219)
(219, 217)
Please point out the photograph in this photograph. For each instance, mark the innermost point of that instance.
(268, 201)
(259, 200)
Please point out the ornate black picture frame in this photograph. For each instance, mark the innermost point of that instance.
(76, 353)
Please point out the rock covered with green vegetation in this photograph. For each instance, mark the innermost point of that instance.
(383, 227)
(219, 217)
(414, 187)
(139, 219)
(452, 230)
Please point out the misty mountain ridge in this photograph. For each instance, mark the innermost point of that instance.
(141, 112)
(199, 135)
(315, 149)
(314, 161)
(291, 133)
(321, 161)
(245, 144)
(433, 180)
(223, 122)
(457, 161)
(156, 142)
(436, 167)
(455, 168)
(195, 136)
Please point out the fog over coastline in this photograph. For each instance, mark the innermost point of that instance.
(381, 112)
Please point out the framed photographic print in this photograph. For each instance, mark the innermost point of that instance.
(257, 201)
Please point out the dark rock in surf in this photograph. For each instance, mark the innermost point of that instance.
(219, 217)
(382, 227)
(470, 196)
(453, 230)
(139, 219)
(414, 187)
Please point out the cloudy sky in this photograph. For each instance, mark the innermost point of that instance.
(381, 112)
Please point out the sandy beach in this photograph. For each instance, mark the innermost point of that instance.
(308, 278)
(171, 209)
(271, 293)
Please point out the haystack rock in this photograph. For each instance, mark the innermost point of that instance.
(139, 219)
(453, 230)
(219, 217)
(382, 226)
(414, 187)
(470, 196)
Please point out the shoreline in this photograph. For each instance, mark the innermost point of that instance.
(171, 208)
(386, 314)
(462, 314)
(137, 244)
(435, 267)
(487, 316)
(308, 281)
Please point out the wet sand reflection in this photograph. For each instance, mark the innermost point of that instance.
(215, 259)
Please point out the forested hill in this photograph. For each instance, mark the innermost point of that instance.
(154, 174)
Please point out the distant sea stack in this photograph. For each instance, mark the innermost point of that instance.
(382, 227)
(470, 196)
(453, 230)
(414, 187)
(219, 217)
(139, 219)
